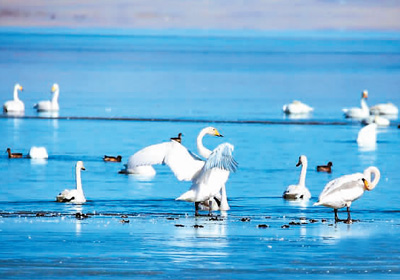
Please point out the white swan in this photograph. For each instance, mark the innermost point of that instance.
(49, 105)
(378, 120)
(300, 190)
(384, 109)
(15, 105)
(74, 195)
(341, 192)
(358, 113)
(38, 153)
(297, 107)
(367, 136)
(208, 177)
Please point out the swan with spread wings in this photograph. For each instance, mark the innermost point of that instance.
(208, 176)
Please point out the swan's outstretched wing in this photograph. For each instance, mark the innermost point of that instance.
(213, 175)
(175, 155)
(221, 157)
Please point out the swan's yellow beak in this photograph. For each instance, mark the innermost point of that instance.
(21, 88)
(53, 89)
(365, 94)
(366, 184)
(216, 133)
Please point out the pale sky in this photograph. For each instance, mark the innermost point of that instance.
(375, 15)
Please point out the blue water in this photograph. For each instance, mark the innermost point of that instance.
(200, 77)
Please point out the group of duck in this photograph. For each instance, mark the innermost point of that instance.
(17, 106)
(378, 114)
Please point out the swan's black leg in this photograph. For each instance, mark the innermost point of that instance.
(217, 201)
(336, 216)
(210, 209)
(196, 208)
(348, 216)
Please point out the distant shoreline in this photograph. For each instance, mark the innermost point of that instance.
(201, 33)
(249, 15)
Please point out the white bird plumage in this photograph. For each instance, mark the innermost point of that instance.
(208, 177)
(358, 113)
(49, 105)
(384, 109)
(378, 120)
(74, 195)
(38, 153)
(15, 105)
(297, 107)
(367, 136)
(300, 190)
(342, 191)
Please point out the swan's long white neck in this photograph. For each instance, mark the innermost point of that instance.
(54, 99)
(364, 105)
(16, 93)
(368, 174)
(302, 180)
(203, 151)
(78, 179)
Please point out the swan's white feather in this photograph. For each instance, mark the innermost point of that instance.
(70, 196)
(49, 105)
(38, 153)
(384, 109)
(206, 186)
(297, 192)
(213, 175)
(342, 191)
(176, 156)
(14, 106)
(297, 107)
(221, 157)
(367, 136)
(46, 106)
(358, 112)
(74, 195)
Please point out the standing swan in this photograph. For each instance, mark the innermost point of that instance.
(300, 190)
(208, 177)
(359, 113)
(74, 195)
(341, 192)
(50, 105)
(15, 105)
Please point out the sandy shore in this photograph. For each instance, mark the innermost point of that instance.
(203, 14)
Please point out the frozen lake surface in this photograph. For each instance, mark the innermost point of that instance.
(201, 79)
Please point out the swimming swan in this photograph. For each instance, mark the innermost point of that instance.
(297, 107)
(15, 105)
(384, 109)
(378, 120)
(38, 153)
(74, 195)
(341, 192)
(358, 113)
(208, 177)
(367, 136)
(300, 190)
(49, 105)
